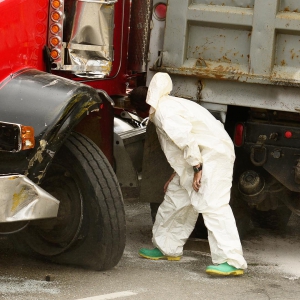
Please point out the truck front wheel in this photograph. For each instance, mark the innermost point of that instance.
(90, 228)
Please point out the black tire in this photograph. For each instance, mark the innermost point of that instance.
(90, 229)
(272, 219)
(272, 213)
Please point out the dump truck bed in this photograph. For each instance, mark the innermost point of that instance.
(246, 41)
(236, 40)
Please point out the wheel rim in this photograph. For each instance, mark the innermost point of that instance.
(53, 236)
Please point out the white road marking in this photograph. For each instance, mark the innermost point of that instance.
(111, 296)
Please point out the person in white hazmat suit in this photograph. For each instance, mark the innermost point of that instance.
(201, 153)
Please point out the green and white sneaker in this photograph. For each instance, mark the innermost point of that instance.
(224, 270)
(155, 254)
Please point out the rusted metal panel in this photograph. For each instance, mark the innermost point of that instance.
(289, 5)
(251, 95)
(246, 41)
(234, 3)
(139, 34)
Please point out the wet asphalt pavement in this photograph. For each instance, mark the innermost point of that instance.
(273, 270)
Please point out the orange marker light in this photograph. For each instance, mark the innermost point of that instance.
(55, 16)
(55, 53)
(54, 41)
(27, 136)
(55, 4)
(55, 28)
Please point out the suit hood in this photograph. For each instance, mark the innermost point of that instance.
(160, 86)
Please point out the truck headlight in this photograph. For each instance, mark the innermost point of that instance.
(16, 137)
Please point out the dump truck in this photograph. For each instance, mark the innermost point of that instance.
(240, 60)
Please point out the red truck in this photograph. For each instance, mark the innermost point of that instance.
(66, 160)
(63, 64)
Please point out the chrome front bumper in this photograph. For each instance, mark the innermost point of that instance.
(21, 199)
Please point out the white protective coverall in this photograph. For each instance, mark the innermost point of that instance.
(189, 134)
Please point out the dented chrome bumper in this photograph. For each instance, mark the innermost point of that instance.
(21, 199)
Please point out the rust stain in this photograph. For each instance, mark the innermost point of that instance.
(218, 72)
(38, 157)
(19, 198)
(283, 63)
(226, 59)
(287, 8)
(293, 54)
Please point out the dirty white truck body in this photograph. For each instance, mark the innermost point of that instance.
(240, 59)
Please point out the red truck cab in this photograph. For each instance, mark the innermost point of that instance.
(61, 64)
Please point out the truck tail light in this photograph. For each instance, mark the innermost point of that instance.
(160, 11)
(239, 134)
(27, 137)
(288, 134)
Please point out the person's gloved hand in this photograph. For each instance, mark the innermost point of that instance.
(197, 181)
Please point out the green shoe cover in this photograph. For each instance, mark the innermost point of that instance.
(155, 254)
(224, 269)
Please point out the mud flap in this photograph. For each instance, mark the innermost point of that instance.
(156, 169)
